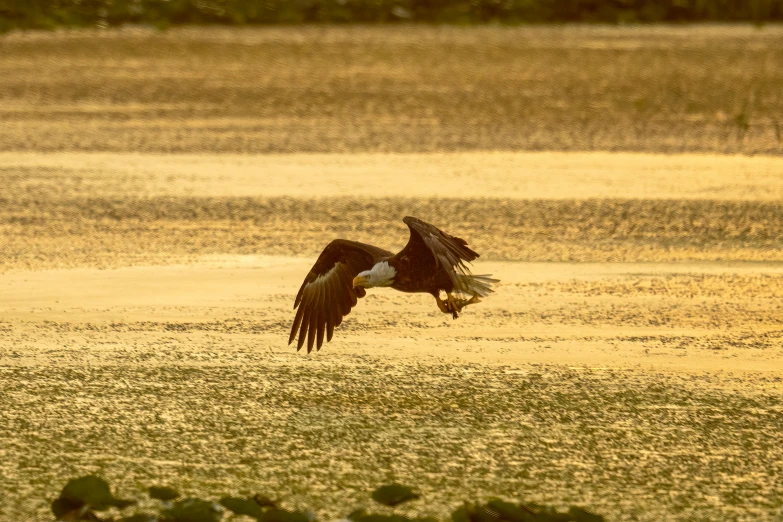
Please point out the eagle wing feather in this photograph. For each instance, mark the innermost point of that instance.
(327, 294)
(450, 252)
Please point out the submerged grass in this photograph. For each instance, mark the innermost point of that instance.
(394, 89)
(324, 432)
(48, 233)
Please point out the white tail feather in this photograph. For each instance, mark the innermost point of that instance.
(475, 284)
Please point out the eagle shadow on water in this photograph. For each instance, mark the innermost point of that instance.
(431, 262)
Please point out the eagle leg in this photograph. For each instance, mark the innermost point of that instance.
(447, 307)
(454, 306)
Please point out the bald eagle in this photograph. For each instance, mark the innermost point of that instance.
(431, 262)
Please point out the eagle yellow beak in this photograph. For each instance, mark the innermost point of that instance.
(360, 281)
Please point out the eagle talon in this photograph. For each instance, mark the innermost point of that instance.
(445, 306)
(453, 306)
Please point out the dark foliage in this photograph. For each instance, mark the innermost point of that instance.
(192, 510)
(393, 495)
(163, 493)
(82, 497)
(162, 13)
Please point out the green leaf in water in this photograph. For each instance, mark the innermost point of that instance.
(194, 510)
(163, 493)
(93, 491)
(242, 506)
(393, 495)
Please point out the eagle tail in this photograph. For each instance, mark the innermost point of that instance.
(476, 284)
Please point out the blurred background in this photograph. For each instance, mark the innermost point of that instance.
(52, 13)
(170, 170)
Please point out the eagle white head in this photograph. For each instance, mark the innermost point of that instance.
(379, 275)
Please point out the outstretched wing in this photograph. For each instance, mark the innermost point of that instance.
(327, 293)
(450, 252)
